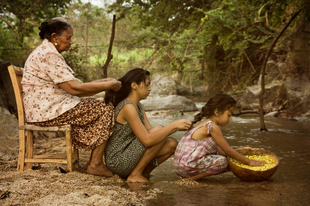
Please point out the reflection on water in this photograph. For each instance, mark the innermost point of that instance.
(289, 140)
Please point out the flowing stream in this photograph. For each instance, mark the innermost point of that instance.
(289, 140)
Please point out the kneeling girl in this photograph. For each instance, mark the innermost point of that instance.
(203, 150)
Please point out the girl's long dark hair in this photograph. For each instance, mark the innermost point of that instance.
(136, 75)
(222, 102)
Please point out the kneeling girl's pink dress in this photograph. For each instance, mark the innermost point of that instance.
(193, 157)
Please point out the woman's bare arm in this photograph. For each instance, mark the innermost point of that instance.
(75, 88)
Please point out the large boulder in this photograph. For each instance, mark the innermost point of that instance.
(185, 90)
(6, 89)
(8, 135)
(274, 92)
(162, 86)
(298, 92)
(164, 96)
(298, 87)
(170, 102)
(291, 96)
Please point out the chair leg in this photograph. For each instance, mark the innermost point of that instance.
(76, 157)
(69, 150)
(21, 153)
(29, 148)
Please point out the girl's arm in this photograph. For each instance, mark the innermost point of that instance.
(75, 88)
(221, 152)
(147, 124)
(222, 143)
(129, 115)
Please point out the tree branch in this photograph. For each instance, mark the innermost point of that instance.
(261, 98)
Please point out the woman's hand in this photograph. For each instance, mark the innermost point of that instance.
(116, 85)
(104, 79)
(254, 163)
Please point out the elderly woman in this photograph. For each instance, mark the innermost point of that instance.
(51, 95)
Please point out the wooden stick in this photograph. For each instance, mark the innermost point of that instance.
(60, 161)
(261, 98)
(110, 56)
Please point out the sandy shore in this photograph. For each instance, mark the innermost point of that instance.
(45, 184)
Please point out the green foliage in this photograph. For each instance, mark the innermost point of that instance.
(210, 43)
(19, 20)
(224, 35)
(22, 16)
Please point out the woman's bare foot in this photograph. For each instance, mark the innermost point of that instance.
(100, 170)
(137, 178)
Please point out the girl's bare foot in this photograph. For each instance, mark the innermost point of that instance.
(196, 177)
(187, 179)
(147, 171)
(137, 178)
(100, 170)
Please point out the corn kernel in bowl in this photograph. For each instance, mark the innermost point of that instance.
(270, 162)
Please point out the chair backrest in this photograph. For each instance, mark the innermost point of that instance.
(16, 75)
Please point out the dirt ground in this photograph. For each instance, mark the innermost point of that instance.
(45, 184)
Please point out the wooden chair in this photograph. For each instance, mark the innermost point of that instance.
(16, 77)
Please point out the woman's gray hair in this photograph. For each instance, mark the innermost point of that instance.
(56, 25)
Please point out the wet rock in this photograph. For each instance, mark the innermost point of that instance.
(250, 98)
(307, 114)
(184, 90)
(171, 102)
(272, 114)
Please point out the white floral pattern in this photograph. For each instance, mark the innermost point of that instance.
(43, 99)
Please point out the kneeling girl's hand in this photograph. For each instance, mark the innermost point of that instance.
(248, 148)
(256, 163)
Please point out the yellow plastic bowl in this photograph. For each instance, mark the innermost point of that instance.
(250, 175)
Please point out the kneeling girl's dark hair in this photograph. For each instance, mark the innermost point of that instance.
(222, 102)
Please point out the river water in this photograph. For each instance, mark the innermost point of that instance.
(289, 140)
